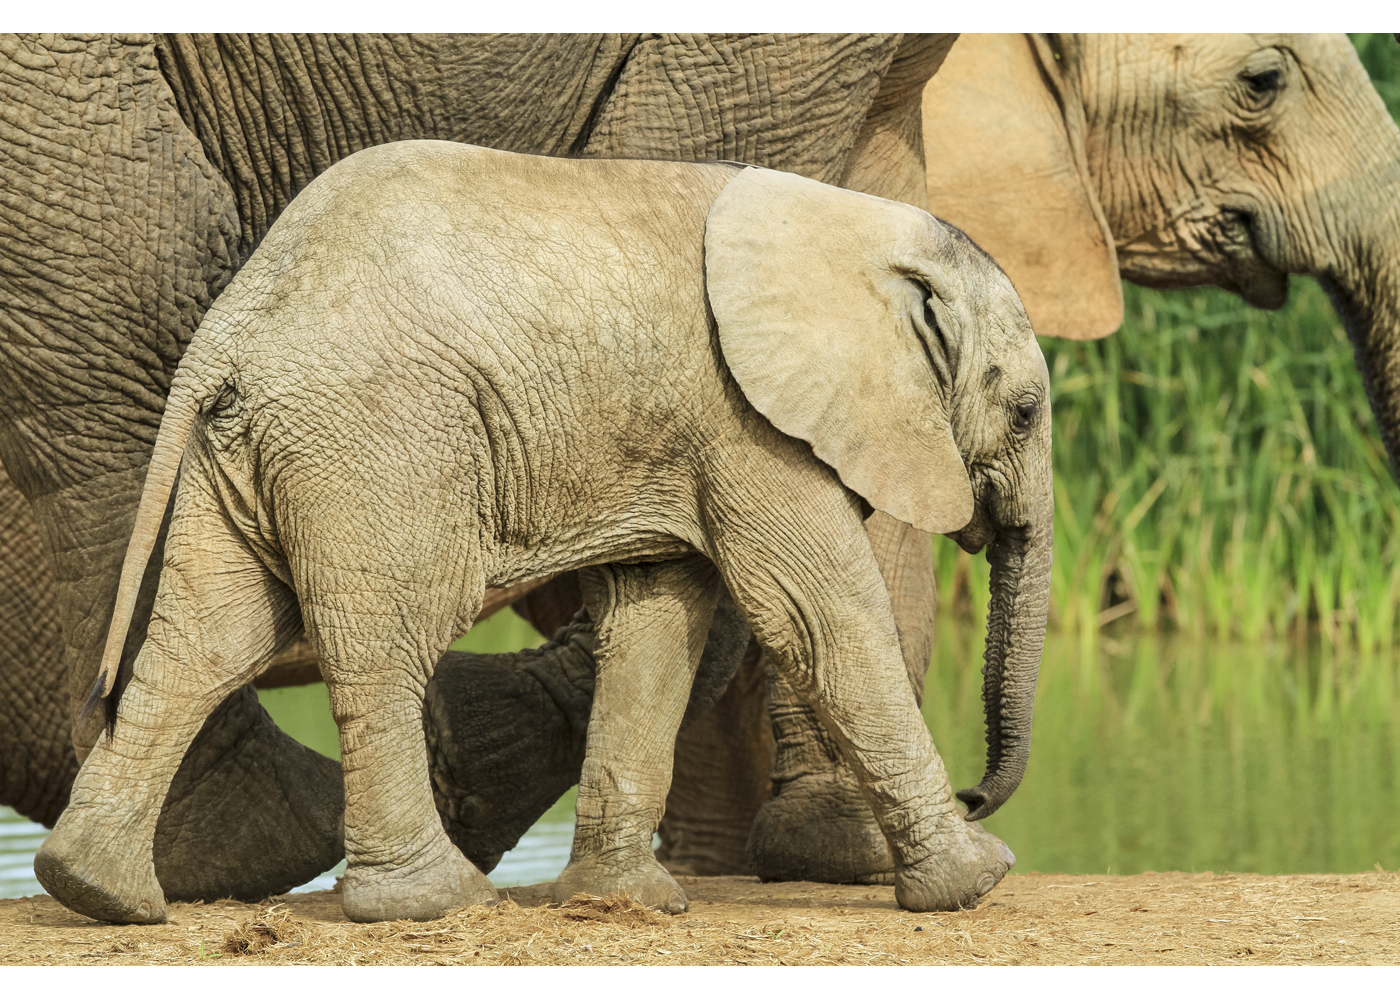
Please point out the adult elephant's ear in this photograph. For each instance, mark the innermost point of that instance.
(1004, 140)
(818, 294)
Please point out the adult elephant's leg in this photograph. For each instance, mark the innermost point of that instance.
(37, 763)
(722, 767)
(118, 235)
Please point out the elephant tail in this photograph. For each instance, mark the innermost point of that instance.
(187, 393)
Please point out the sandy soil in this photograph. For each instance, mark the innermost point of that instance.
(1168, 918)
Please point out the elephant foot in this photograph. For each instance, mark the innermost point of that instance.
(818, 828)
(119, 890)
(966, 865)
(372, 893)
(646, 881)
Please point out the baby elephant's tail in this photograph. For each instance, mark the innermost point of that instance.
(187, 392)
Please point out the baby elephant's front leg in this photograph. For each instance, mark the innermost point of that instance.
(652, 620)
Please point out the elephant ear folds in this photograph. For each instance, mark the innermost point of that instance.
(813, 310)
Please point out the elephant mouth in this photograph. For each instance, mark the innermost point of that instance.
(1224, 245)
(1248, 272)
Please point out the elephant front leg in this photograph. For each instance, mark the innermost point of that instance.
(822, 611)
(818, 826)
(652, 621)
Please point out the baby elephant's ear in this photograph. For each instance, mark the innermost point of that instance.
(820, 295)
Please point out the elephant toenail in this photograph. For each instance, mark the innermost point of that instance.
(143, 912)
(986, 884)
(1005, 854)
(677, 903)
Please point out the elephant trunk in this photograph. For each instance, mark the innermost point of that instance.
(1366, 294)
(1020, 559)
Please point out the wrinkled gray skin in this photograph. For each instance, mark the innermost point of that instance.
(1171, 161)
(139, 172)
(449, 368)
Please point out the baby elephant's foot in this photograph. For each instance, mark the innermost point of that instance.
(646, 881)
(122, 890)
(819, 828)
(966, 864)
(385, 892)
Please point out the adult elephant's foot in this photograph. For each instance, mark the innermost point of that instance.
(251, 812)
(967, 864)
(81, 871)
(819, 828)
(424, 891)
(642, 877)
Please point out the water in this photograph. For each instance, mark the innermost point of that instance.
(1151, 752)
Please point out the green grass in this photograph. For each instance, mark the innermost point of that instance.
(1217, 468)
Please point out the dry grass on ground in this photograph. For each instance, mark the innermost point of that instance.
(1167, 918)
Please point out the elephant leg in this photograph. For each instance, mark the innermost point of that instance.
(653, 620)
(721, 778)
(215, 594)
(506, 732)
(37, 763)
(818, 826)
(506, 737)
(822, 611)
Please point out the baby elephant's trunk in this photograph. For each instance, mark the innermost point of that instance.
(1020, 560)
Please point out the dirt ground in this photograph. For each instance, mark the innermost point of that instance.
(1169, 918)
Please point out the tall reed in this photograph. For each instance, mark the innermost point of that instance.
(1217, 468)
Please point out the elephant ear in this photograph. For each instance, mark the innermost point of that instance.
(1004, 141)
(815, 291)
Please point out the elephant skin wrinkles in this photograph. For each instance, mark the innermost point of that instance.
(195, 143)
(441, 268)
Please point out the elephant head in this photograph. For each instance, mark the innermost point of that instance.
(1176, 160)
(951, 437)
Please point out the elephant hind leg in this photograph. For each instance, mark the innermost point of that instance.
(378, 656)
(215, 595)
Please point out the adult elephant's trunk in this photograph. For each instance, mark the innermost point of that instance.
(1366, 293)
(1020, 559)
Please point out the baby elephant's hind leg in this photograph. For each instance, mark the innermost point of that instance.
(652, 621)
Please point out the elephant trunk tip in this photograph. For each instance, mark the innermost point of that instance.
(980, 802)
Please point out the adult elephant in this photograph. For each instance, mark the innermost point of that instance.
(1168, 160)
(137, 173)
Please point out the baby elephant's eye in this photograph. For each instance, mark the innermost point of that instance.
(224, 401)
(1023, 414)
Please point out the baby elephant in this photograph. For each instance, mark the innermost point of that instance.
(449, 368)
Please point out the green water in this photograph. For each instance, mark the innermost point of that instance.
(1151, 752)
(1159, 753)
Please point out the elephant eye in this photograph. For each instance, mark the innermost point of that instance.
(1261, 86)
(1023, 415)
(224, 401)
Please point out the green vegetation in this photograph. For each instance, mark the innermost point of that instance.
(1217, 468)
